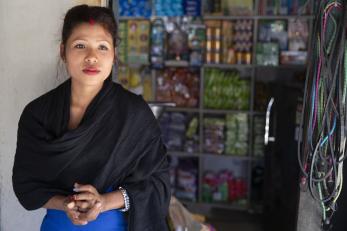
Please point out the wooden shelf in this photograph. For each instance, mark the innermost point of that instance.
(227, 156)
(219, 66)
(125, 18)
(283, 66)
(259, 17)
(173, 63)
(279, 17)
(202, 155)
(225, 17)
(182, 154)
(182, 109)
(228, 66)
(220, 111)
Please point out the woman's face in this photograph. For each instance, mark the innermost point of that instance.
(89, 54)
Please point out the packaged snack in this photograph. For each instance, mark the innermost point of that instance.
(158, 36)
(138, 41)
(223, 89)
(178, 85)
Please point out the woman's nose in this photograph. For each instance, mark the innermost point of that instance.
(91, 58)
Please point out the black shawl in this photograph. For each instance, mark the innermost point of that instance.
(117, 143)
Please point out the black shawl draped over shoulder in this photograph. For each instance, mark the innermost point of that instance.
(117, 143)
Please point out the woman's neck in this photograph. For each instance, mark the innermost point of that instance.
(82, 95)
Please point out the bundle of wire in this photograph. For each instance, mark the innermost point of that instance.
(321, 148)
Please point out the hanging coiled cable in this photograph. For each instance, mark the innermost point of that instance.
(322, 140)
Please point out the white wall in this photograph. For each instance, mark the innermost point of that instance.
(29, 38)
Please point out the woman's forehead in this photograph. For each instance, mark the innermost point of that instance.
(88, 31)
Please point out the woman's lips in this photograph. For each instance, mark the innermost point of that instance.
(91, 71)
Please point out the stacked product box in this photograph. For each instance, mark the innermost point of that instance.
(168, 8)
(123, 45)
(138, 41)
(196, 43)
(223, 186)
(214, 135)
(180, 131)
(137, 80)
(135, 8)
(178, 85)
(192, 7)
(267, 54)
(184, 178)
(237, 134)
(225, 90)
(243, 40)
(213, 41)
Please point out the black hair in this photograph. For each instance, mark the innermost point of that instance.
(87, 14)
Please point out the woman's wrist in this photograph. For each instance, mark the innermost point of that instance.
(112, 200)
(57, 202)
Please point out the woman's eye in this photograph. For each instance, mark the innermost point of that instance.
(103, 47)
(79, 46)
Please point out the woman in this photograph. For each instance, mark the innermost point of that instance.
(89, 150)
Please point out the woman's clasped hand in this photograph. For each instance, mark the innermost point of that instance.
(85, 205)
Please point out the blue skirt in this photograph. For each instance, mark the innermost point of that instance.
(57, 220)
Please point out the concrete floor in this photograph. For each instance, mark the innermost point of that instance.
(226, 220)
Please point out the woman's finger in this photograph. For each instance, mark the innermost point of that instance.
(87, 196)
(74, 216)
(92, 214)
(85, 188)
(84, 204)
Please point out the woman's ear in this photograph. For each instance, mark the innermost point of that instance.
(62, 52)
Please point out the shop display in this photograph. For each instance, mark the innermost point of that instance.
(178, 85)
(213, 7)
(158, 36)
(243, 36)
(136, 80)
(298, 34)
(123, 45)
(293, 57)
(228, 48)
(168, 8)
(138, 41)
(135, 8)
(283, 7)
(185, 171)
(192, 7)
(225, 90)
(291, 38)
(180, 132)
(237, 7)
(267, 54)
(192, 137)
(196, 43)
(214, 135)
(172, 51)
(274, 31)
(225, 7)
(213, 41)
(178, 44)
(223, 187)
(173, 127)
(229, 41)
(236, 134)
(258, 136)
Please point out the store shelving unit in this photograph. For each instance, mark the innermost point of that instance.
(202, 112)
